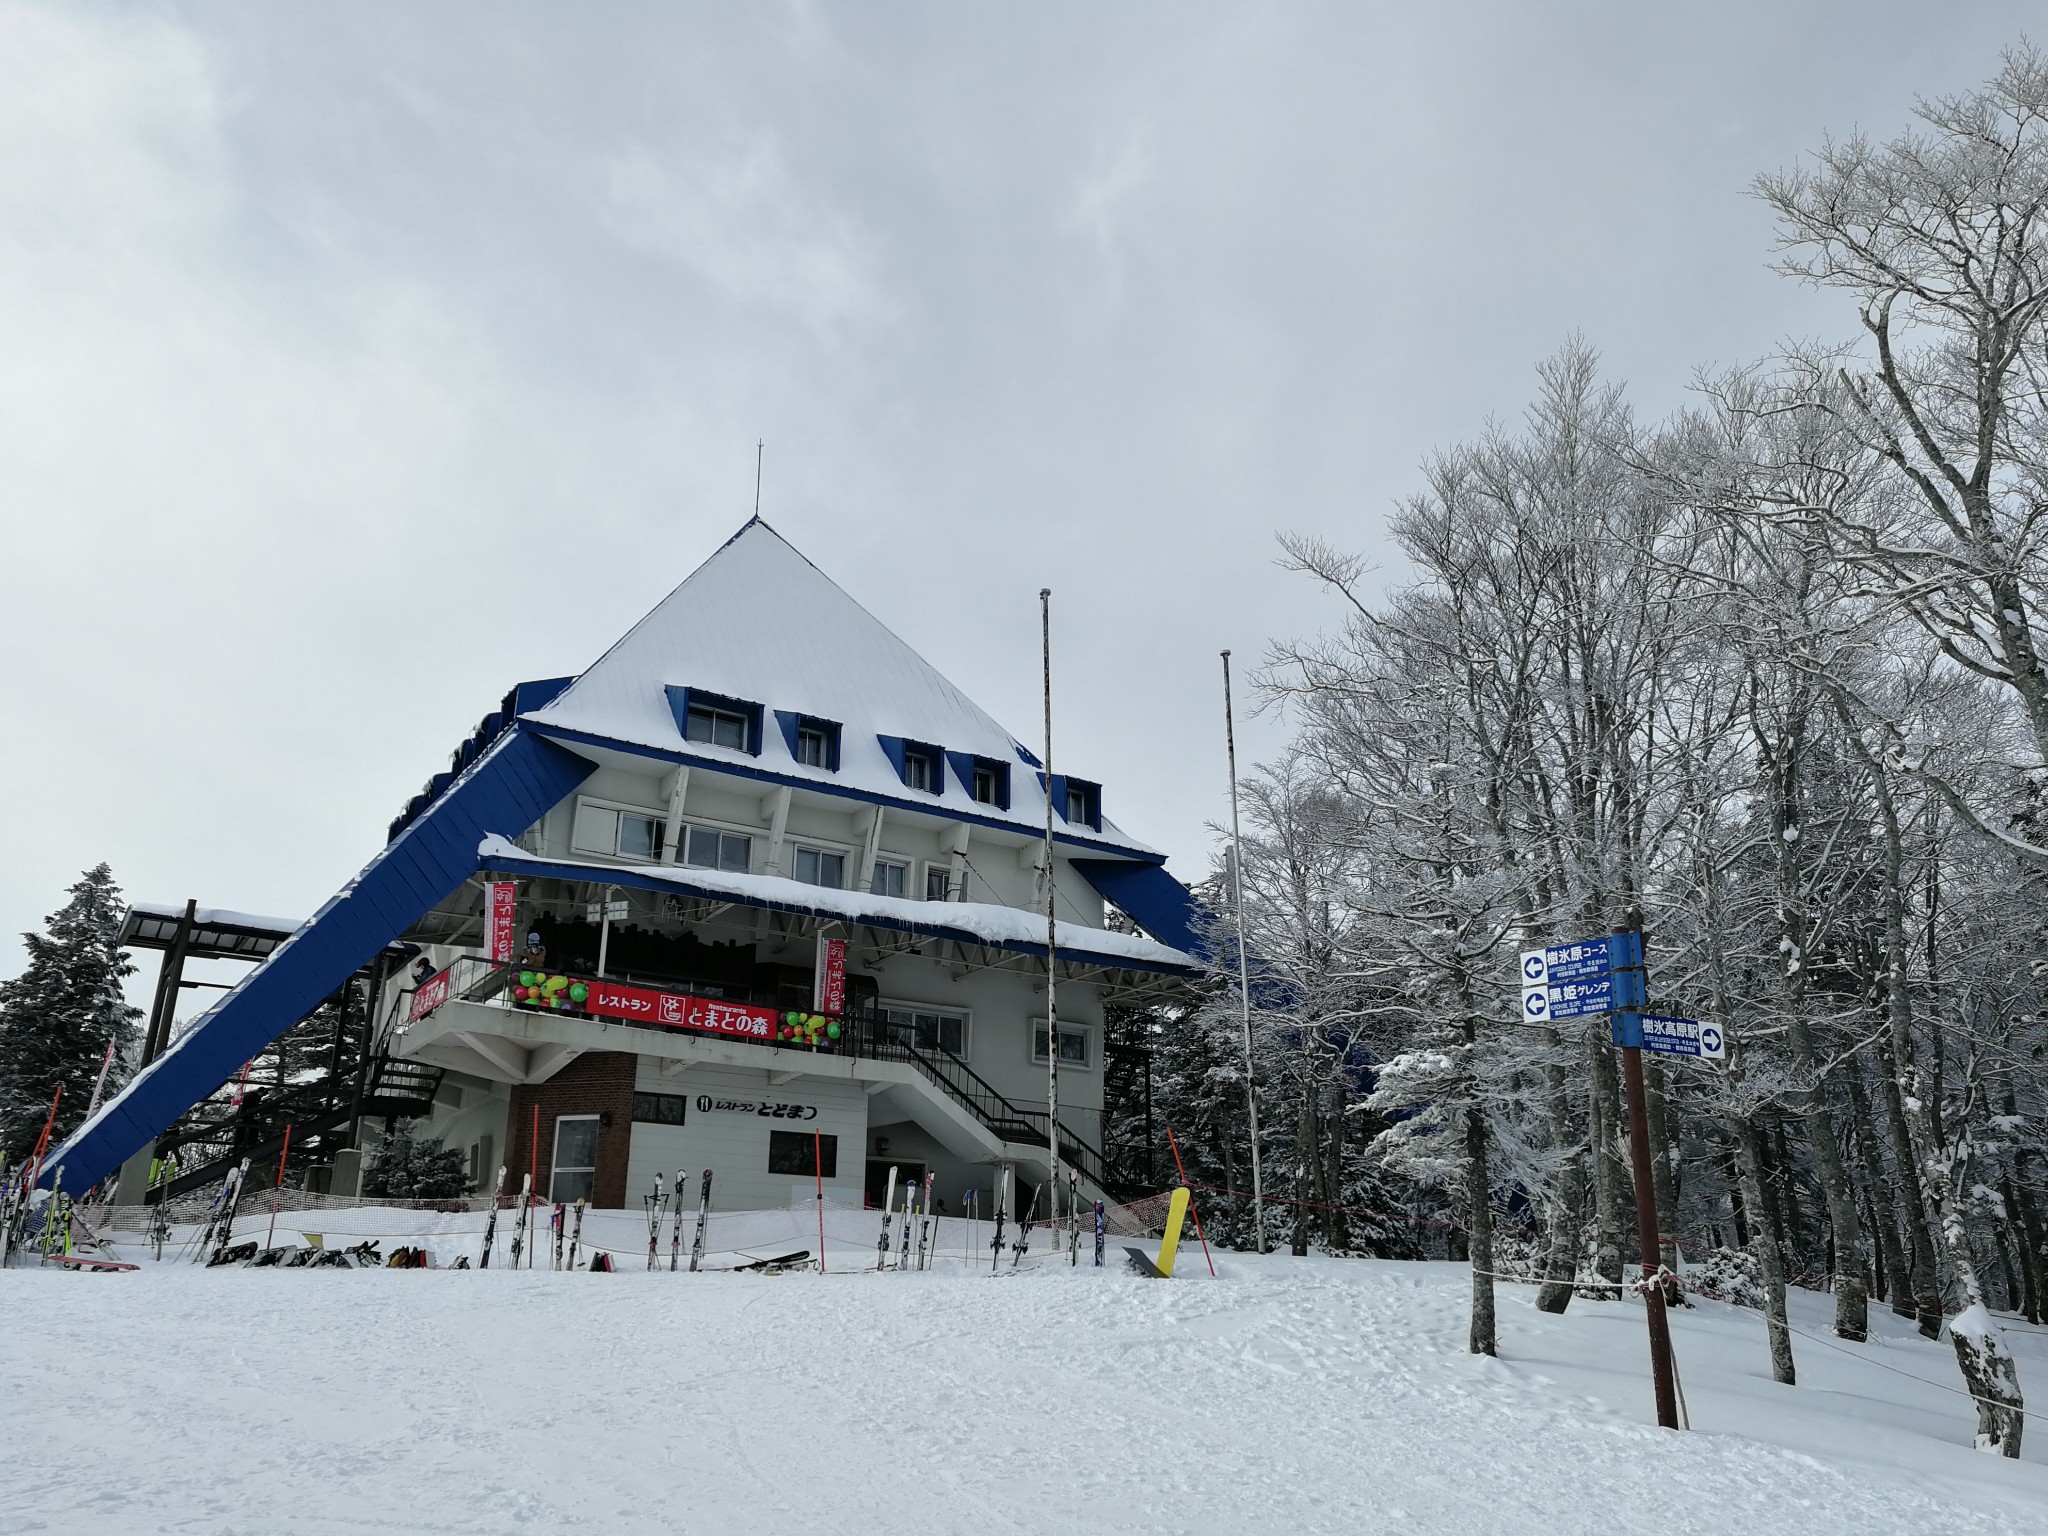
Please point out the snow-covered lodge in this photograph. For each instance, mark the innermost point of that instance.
(758, 887)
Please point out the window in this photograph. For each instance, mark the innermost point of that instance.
(617, 832)
(938, 883)
(819, 866)
(658, 1108)
(709, 848)
(719, 727)
(639, 837)
(797, 1154)
(921, 770)
(1073, 1044)
(892, 878)
(929, 1029)
(1079, 801)
(714, 720)
(812, 741)
(575, 1165)
(984, 784)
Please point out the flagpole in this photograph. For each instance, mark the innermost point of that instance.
(1244, 975)
(1052, 1013)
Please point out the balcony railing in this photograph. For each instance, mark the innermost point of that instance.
(475, 979)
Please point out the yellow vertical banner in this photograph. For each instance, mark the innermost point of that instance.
(1176, 1213)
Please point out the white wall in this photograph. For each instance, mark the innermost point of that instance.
(734, 1146)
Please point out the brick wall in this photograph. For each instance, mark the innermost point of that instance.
(596, 1083)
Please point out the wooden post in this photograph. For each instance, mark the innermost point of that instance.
(1631, 994)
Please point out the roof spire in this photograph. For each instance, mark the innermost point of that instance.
(760, 446)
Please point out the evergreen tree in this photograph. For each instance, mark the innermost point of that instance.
(405, 1169)
(58, 1015)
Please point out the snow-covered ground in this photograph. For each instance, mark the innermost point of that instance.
(1286, 1395)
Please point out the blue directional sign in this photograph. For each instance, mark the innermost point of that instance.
(1565, 981)
(1669, 1036)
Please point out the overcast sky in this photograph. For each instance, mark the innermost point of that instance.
(357, 361)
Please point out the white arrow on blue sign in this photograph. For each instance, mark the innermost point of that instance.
(1669, 1036)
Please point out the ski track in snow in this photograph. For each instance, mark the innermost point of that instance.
(1293, 1395)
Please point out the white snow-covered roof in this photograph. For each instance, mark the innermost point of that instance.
(758, 622)
(217, 917)
(1000, 927)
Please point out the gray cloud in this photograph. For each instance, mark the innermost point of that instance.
(361, 360)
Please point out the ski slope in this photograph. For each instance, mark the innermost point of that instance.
(1285, 1395)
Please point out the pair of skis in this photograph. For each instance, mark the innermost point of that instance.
(675, 1245)
(657, 1207)
(910, 1222)
(220, 1218)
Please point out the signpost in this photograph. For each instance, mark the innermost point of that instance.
(1569, 981)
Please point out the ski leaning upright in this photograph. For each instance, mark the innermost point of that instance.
(519, 1224)
(491, 1225)
(924, 1231)
(888, 1213)
(227, 1216)
(675, 1232)
(656, 1203)
(703, 1215)
(1002, 1205)
(1024, 1228)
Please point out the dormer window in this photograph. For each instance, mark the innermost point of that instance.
(920, 769)
(713, 720)
(1079, 801)
(984, 784)
(813, 742)
(919, 764)
(719, 727)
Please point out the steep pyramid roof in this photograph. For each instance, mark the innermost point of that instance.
(758, 622)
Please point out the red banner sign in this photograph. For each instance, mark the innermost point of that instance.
(500, 919)
(429, 995)
(828, 989)
(674, 1010)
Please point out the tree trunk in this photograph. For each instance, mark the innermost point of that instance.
(1603, 1122)
(1305, 1138)
(2020, 1212)
(1892, 1256)
(1852, 1301)
(1988, 1368)
(1663, 1175)
(1926, 1277)
(1561, 1249)
(1479, 1221)
(1749, 1160)
(1338, 1225)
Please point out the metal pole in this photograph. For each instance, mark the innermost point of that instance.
(1052, 1013)
(1244, 980)
(1631, 992)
